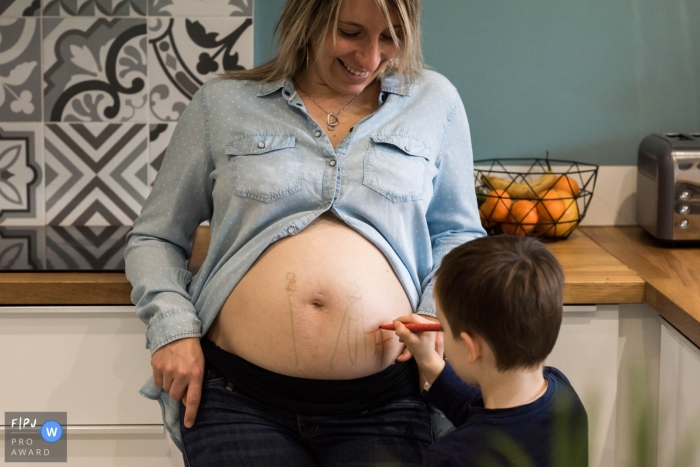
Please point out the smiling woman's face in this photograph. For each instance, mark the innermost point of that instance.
(362, 49)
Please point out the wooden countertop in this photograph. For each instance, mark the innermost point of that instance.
(592, 276)
(64, 288)
(672, 274)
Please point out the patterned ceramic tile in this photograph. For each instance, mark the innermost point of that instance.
(20, 72)
(22, 248)
(21, 174)
(16, 8)
(184, 53)
(95, 70)
(120, 81)
(210, 8)
(158, 140)
(96, 173)
(94, 8)
(68, 8)
(86, 248)
(56, 248)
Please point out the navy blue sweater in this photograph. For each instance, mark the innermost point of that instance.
(551, 431)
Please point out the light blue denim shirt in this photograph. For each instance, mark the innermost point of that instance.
(247, 157)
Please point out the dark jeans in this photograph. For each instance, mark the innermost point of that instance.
(235, 430)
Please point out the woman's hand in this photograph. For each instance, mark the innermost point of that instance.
(178, 367)
(423, 346)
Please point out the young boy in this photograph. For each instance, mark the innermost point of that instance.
(499, 301)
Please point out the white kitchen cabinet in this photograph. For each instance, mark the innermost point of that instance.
(610, 353)
(89, 362)
(638, 385)
(115, 448)
(679, 401)
(586, 352)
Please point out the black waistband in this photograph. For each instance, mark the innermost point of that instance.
(312, 396)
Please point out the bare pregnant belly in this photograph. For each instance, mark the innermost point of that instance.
(311, 306)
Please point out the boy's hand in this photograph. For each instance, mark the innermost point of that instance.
(422, 346)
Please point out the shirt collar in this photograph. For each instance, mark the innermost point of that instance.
(390, 83)
(265, 88)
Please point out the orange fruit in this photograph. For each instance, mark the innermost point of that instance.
(558, 213)
(567, 184)
(484, 221)
(497, 206)
(552, 205)
(523, 218)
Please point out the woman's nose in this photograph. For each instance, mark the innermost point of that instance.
(369, 56)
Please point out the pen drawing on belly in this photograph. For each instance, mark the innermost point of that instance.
(290, 287)
(351, 326)
(379, 342)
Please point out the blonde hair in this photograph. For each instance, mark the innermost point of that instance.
(306, 23)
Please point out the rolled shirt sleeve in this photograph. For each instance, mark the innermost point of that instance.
(159, 245)
(453, 214)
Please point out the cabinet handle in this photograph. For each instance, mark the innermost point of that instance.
(580, 308)
(94, 430)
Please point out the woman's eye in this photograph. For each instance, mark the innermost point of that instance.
(347, 34)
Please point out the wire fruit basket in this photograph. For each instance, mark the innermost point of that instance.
(533, 196)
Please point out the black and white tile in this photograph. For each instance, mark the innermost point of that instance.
(90, 93)
(211, 8)
(95, 70)
(61, 248)
(20, 70)
(22, 248)
(96, 173)
(94, 7)
(17, 8)
(87, 248)
(184, 53)
(21, 174)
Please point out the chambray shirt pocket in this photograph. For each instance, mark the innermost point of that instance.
(266, 167)
(395, 167)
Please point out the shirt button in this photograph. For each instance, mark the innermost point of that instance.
(332, 163)
(291, 230)
(261, 145)
(317, 134)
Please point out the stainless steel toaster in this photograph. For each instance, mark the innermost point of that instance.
(668, 186)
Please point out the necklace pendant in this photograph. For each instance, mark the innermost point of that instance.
(332, 120)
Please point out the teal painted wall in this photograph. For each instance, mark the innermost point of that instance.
(266, 12)
(585, 80)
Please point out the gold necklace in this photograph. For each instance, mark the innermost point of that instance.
(332, 118)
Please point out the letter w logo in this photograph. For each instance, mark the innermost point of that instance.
(52, 431)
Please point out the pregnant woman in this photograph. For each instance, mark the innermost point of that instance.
(335, 178)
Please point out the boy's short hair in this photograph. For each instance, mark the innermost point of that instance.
(508, 290)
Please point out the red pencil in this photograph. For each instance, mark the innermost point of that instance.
(414, 327)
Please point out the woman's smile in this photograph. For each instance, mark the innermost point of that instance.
(359, 74)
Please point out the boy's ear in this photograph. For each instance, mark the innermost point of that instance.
(474, 346)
